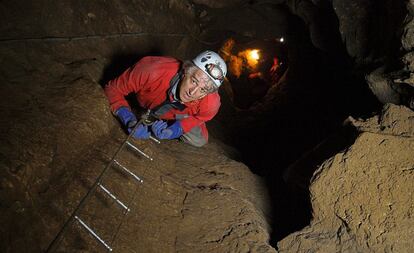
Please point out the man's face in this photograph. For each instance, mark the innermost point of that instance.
(195, 86)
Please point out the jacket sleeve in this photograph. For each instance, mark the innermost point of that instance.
(208, 109)
(131, 81)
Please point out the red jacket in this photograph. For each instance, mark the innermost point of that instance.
(150, 79)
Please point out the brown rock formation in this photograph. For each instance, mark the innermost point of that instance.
(362, 197)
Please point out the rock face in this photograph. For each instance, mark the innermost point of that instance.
(369, 28)
(218, 4)
(220, 206)
(397, 86)
(191, 200)
(69, 19)
(362, 198)
(57, 135)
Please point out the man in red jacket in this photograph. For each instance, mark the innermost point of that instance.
(182, 96)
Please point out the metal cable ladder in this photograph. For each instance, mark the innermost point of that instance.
(98, 184)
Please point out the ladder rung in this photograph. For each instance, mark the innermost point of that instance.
(113, 197)
(138, 150)
(154, 139)
(93, 233)
(128, 171)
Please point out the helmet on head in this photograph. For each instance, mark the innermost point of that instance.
(213, 65)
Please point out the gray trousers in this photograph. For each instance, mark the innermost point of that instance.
(194, 137)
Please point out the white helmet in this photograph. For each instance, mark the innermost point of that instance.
(213, 65)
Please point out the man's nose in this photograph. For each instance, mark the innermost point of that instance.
(193, 90)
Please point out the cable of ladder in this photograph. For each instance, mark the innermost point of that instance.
(74, 216)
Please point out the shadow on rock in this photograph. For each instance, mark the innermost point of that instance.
(292, 209)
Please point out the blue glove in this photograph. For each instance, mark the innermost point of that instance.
(161, 131)
(129, 120)
(141, 132)
(126, 117)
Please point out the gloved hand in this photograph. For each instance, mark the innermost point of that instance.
(129, 121)
(161, 131)
(141, 132)
(126, 117)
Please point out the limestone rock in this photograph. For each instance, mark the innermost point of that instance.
(57, 136)
(362, 197)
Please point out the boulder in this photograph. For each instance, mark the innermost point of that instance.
(362, 197)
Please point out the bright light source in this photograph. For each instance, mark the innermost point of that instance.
(254, 54)
(281, 39)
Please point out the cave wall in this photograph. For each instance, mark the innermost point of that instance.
(55, 56)
(55, 117)
(362, 197)
(332, 45)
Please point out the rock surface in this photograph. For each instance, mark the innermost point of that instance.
(362, 197)
(218, 3)
(397, 86)
(57, 135)
(370, 29)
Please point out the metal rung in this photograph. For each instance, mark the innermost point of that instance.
(113, 197)
(154, 139)
(93, 233)
(139, 151)
(128, 171)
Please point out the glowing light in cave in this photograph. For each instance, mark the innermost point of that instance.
(254, 54)
(244, 61)
(251, 57)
